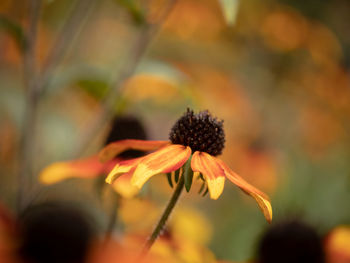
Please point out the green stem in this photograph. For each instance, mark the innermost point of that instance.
(165, 216)
(28, 135)
(112, 217)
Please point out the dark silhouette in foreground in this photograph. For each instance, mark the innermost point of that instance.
(290, 242)
(55, 232)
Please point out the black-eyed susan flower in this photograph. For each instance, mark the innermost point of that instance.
(195, 141)
(123, 127)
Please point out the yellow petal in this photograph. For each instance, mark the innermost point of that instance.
(114, 148)
(261, 198)
(165, 160)
(124, 187)
(56, 172)
(214, 175)
(122, 167)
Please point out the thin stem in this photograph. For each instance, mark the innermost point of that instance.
(72, 25)
(107, 109)
(136, 54)
(112, 217)
(161, 223)
(35, 83)
(27, 142)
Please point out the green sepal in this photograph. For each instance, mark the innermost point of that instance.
(177, 175)
(202, 188)
(206, 191)
(170, 181)
(188, 174)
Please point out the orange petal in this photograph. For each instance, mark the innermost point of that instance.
(56, 172)
(123, 167)
(114, 148)
(165, 160)
(261, 198)
(214, 175)
(124, 187)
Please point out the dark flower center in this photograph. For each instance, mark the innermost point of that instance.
(202, 132)
(127, 127)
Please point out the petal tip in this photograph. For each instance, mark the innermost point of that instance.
(214, 197)
(269, 213)
(108, 180)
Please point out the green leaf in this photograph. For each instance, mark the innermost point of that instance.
(169, 179)
(229, 9)
(15, 30)
(202, 188)
(188, 174)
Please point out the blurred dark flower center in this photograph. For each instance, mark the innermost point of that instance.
(202, 132)
(127, 127)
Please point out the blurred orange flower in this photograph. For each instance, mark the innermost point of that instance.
(198, 133)
(259, 164)
(126, 252)
(192, 20)
(285, 29)
(91, 167)
(337, 245)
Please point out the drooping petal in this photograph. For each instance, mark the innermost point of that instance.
(214, 175)
(124, 187)
(123, 167)
(261, 198)
(85, 168)
(114, 148)
(165, 160)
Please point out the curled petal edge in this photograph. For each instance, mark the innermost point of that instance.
(123, 167)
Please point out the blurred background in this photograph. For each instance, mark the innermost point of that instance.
(276, 72)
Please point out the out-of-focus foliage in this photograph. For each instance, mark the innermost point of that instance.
(277, 72)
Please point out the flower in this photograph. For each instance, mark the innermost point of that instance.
(336, 244)
(196, 139)
(123, 127)
(91, 167)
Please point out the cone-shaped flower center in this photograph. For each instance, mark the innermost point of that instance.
(201, 132)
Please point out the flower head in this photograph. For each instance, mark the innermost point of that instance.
(201, 132)
(195, 141)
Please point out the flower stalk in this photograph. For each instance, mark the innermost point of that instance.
(112, 217)
(162, 221)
